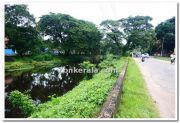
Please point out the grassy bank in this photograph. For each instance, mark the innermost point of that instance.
(163, 58)
(20, 65)
(41, 60)
(85, 100)
(135, 101)
(27, 63)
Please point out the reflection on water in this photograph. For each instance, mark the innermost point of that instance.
(40, 85)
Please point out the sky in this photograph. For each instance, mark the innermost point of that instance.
(96, 12)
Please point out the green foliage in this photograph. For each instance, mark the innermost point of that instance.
(18, 15)
(108, 62)
(88, 66)
(23, 39)
(84, 101)
(135, 101)
(22, 102)
(142, 39)
(27, 63)
(140, 23)
(165, 33)
(138, 32)
(112, 41)
(70, 35)
(43, 57)
(19, 28)
(17, 66)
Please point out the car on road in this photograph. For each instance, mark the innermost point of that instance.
(145, 55)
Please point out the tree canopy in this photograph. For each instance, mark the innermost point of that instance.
(20, 29)
(165, 33)
(138, 33)
(18, 15)
(112, 39)
(69, 34)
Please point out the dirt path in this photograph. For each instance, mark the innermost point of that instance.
(160, 81)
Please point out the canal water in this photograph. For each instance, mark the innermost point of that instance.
(40, 85)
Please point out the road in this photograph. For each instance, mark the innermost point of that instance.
(160, 80)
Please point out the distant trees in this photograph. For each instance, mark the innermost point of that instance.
(70, 35)
(20, 29)
(138, 33)
(165, 33)
(113, 36)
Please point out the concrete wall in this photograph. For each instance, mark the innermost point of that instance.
(110, 107)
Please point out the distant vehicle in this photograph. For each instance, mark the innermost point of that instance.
(145, 55)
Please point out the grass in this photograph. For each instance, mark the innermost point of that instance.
(163, 58)
(135, 101)
(40, 61)
(84, 101)
(23, 65)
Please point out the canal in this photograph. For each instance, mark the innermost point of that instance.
(40, 84)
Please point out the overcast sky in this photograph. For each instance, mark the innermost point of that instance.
(99, 11)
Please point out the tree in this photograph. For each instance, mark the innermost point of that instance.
(18, 15)
(23, 39)
(165, 33)
(19, 28)
(138, 33)
(86, 38)
(70, 35)
(142, 39)
(112, 36)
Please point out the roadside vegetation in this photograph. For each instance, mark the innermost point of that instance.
(135, 101)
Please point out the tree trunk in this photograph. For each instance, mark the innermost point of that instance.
(162, 47)
(67, 52)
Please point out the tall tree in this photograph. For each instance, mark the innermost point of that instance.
(112, 36)
(138, 33)
(70, 34)
(20, 29)
(165, 33)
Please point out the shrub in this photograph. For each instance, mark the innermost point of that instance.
(87, 65)
(43, 57)
(108, 62)
(22, 102)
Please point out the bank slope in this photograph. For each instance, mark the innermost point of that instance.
(84, 101)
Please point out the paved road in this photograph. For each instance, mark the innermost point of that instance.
(160, 80)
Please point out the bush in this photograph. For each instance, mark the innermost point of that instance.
(108, 62)
(43, 57)
(87, 65)
(22, 102)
